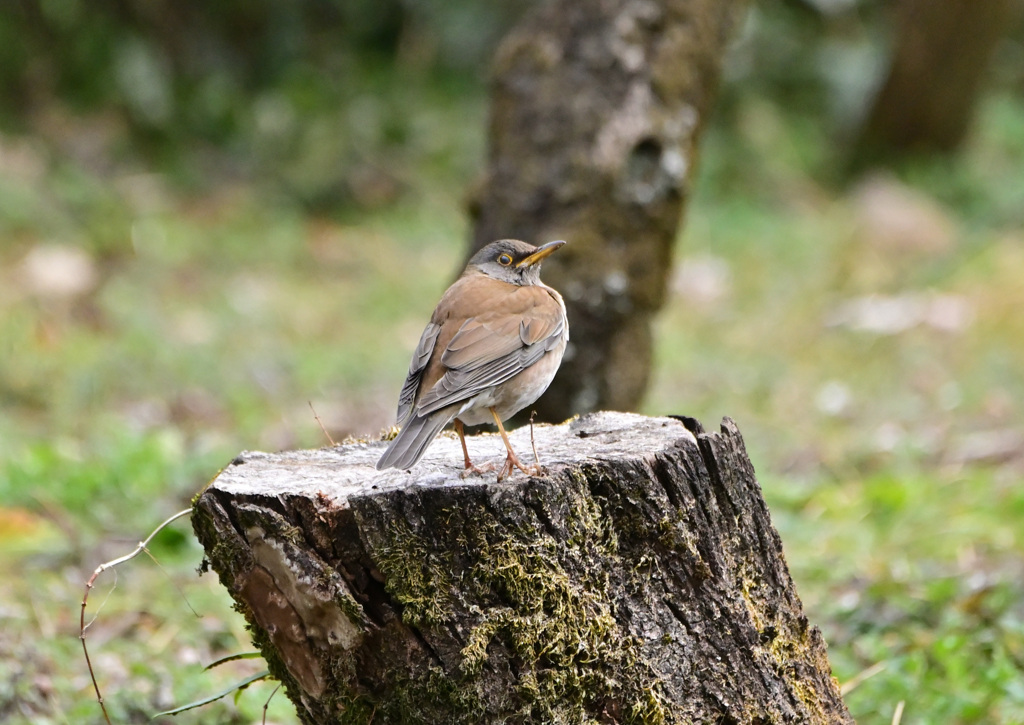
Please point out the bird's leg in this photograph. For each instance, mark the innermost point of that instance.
(470, 468)
(460, 429)
(533, 443)
(512, 459)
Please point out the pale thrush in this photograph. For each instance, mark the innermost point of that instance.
(491, 348)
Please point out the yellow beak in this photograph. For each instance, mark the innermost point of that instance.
(542, 251)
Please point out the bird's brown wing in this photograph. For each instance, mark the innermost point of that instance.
(508, 329)
(419, 362)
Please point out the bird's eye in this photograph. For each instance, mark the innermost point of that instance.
(505, 260)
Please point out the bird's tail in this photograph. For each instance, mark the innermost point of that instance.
(411, 442)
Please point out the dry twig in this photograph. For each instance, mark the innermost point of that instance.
(536, 458)
(320, 423)
(897, 716)
(854, 682)
(92, 582)
(266, 704)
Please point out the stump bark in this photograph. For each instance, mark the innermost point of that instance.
(639, 580)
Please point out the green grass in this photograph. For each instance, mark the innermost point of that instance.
(217, 316)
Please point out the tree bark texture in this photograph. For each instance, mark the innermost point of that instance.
(596, 111)
(941, 52)
(639, 580)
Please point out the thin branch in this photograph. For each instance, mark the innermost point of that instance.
(85, 599)
(266, 704)
(181, 592)
(321, 423)
(855, 681)
(533, 443)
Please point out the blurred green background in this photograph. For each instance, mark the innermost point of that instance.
(214, 215)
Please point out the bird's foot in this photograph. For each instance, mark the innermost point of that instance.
(512, 462)
(472, 469)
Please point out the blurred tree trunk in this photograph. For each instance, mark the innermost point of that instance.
(596, 111)
(942, 50)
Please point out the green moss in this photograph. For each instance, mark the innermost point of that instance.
(415, 577)
(544, 612)
(677, 534)
(747, 586)
(630, 525)
(647, 709)
(430, 698)
(261, 640)
(474, 654)
(434, 698)
(200, 492)
(352, 610)
(558, 629)
(785, 646)
(294, 535)
(225, 554)
(809, 696)
(354, 709)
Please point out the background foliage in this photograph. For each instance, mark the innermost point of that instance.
(213, 214)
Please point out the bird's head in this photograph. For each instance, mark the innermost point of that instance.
(512, 261)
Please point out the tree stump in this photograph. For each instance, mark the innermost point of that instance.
(639, 580)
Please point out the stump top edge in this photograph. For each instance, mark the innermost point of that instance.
(348, 470)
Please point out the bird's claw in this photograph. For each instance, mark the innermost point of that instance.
(512, 462)
(472, 469)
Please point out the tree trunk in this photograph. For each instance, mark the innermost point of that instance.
(638, 581)
(941, 51)
(596, 111)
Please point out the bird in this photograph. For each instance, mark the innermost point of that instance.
(491, 348)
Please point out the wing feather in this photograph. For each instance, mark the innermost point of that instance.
(420, 357)
(479, 341)
(478, 338)
(493, 347)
